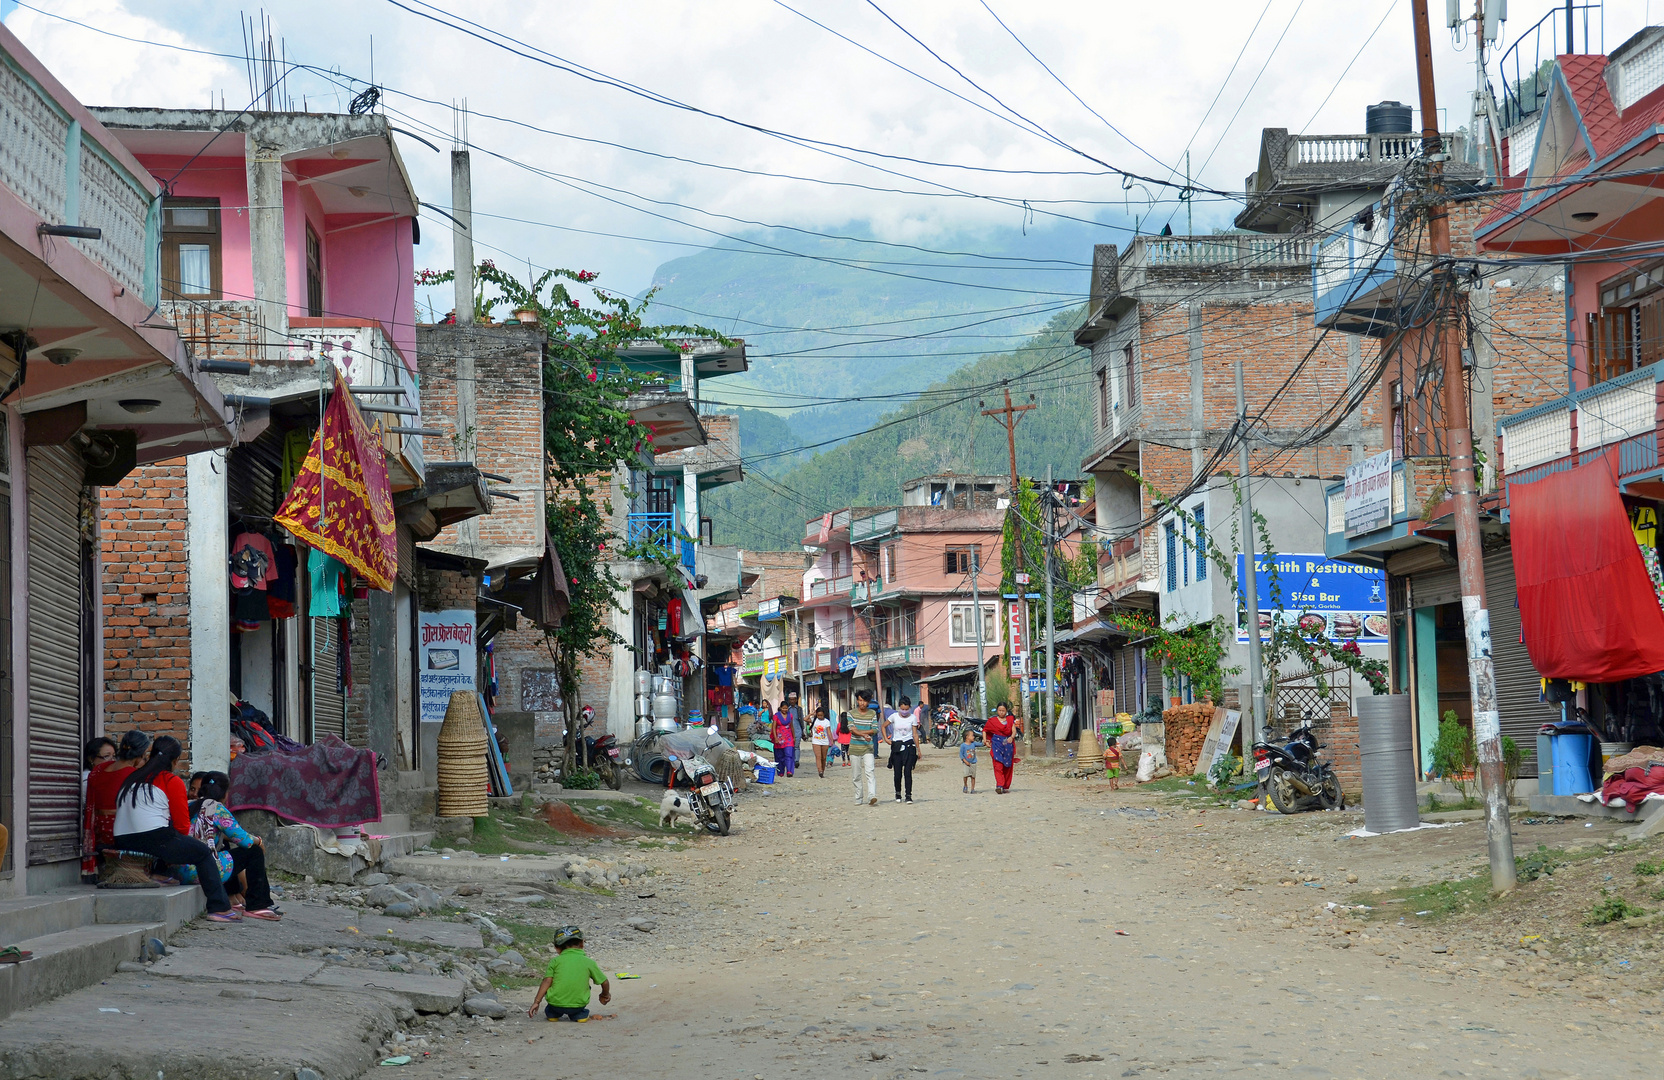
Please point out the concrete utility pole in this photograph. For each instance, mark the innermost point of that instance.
(462, 236)
(1470, 556)
(1255, 730)
(1008, 418)
(1048, 521)
(976, 618)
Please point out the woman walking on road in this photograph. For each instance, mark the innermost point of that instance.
(1002, 732)
(785, 743)
(820, 737)
(904, 745)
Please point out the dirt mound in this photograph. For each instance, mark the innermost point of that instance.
(562, 818)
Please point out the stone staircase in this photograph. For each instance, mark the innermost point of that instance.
(79, 935)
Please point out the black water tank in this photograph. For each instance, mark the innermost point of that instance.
(1387, 118)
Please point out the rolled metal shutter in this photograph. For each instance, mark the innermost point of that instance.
(1432, 588)
(54, 650)
(329, 705)
(1518, 685)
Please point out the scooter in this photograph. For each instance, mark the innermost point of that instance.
(1293, 776)
(712, 799)
(602, 753)
(944, 725)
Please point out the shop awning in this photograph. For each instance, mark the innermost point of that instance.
(1588, 609)
(949, 676)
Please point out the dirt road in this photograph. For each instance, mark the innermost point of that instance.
(1060, 930)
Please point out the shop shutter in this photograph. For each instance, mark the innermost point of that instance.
(1518, 685)
(1435, 587)
(253, 477)
(329, 705)
(54, 650)
(1155, 688)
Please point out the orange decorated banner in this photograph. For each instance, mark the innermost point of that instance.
(341, 502)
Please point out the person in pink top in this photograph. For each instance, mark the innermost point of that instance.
(785, 743)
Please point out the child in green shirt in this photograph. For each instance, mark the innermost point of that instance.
(567, 980)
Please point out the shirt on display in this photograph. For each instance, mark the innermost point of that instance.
(253, 563)
(325, 573)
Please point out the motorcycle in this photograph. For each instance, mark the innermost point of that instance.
(602, 753)
(1293, 776)
(944, 726)
(712, 799)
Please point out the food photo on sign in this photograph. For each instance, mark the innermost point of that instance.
(1323, 598)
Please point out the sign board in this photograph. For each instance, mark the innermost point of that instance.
(1014, 614)
(813, 679)
(1022, 578)
(1369, 494)
(1035, 684)
(1340, 600)
(848, 662)
(1227, 732)
(446, 643)
(1019, 663)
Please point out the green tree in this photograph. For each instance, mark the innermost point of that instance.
(587, 433)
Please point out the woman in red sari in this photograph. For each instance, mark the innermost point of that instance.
(102, 784)
(1002, 732)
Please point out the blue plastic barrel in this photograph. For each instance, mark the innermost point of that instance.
(1571, 764)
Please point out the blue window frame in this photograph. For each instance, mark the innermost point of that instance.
(1172, 556)
(1200, 514)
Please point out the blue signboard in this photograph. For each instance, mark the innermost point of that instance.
(848, 663)
(1344, 601)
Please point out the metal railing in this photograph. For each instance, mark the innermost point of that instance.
(1259, 250)
(1524, 66)
(366, 357)
(1617, 411)
(656, 530)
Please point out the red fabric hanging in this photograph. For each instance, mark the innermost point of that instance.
(1587, 606)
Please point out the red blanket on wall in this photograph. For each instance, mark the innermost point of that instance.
(1587, 606)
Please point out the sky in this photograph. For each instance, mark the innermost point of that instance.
(1136, 85)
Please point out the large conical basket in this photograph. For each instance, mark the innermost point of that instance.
(463, 779)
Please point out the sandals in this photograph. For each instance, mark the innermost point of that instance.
(263, 913)
(11, 954)
(224, 916)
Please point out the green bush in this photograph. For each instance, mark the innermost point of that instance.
(1454, 756)
(1649, 868)
(1512, 759)
(1612, 909)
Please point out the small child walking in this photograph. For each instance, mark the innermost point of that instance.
(967, 755)
(567, 980)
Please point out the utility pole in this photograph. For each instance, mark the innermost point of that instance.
(1008, 418)
(976, 618)
(1048, 521)
(1470, 557)
(1250, 582)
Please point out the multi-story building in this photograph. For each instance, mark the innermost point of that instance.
(286, 243)
(94, 393)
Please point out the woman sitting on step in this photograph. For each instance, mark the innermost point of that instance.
(152, 818)
(240, 854)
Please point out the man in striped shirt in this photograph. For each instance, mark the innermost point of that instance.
(863, 745)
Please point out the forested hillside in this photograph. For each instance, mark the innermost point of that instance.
(941, 430)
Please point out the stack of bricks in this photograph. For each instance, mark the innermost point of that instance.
(1187, 729)
(146, 584)
(1338, 734)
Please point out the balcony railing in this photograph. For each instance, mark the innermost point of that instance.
(1225, 249)
(900, 656)
(831, 586)
(1121, 565)
(874, 526)
(1556, 435)
(653, 530)
(67, 177)
(365, 356)
(1354, 275)
(811, 529)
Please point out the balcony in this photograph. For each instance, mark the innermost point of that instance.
(667, 411)
(1121, 567)
(831, 587)
(812, 529)
(1284, 192)
(879, 526)
(1355, 287)
(1621, 412)
(1241, 250)
(900, 656)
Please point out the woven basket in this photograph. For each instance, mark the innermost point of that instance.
(464, 779)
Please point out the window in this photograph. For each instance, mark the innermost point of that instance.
(837, 632)
(1398, 421)
(837, 562)
(1130, 394)
(1172, 556)
(892, 558)
(959, 560)
(962, 624)
(1200, 516)
(191, 248)
(314, 274)
(1613, 341)
(1103, 397)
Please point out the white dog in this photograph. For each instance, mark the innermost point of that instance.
(671, 807)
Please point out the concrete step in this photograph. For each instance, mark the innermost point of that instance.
(173, 907)
(37, 916)
(69, 960)
(389, 824)
(403, 844)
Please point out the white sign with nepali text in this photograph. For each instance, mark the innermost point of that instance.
(1369, 494)
(446, 641)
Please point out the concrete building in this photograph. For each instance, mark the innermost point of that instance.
(93, 389)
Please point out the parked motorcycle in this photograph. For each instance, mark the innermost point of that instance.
(944, 726)
(602, 753)
(712, 799)
(1293, 776)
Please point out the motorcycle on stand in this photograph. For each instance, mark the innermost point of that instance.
(1293, 776)
(944, 726)
(711, 799)
(602, 753)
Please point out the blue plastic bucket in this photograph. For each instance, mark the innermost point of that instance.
(765, 774)
(1571, 764)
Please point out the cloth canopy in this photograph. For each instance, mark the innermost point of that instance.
(341, 502)
(1587, 607)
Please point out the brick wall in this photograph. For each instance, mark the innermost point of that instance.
(358, 649)
(441, 589)
(1338, 735)
(146, 585)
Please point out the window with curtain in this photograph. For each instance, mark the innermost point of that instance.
(1200, 516)
(191, 248)
(1172, 556)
